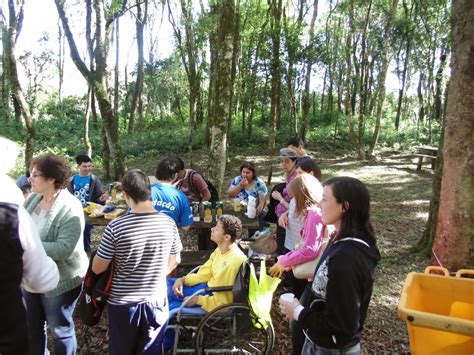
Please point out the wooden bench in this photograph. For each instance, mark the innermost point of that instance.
(420, 157)
(428, 152)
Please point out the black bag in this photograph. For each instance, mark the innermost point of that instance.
(210, 186)
(94, 295)
(271, 216)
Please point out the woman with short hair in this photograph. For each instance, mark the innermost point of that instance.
(60, 221)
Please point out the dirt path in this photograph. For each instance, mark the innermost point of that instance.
(400, 199)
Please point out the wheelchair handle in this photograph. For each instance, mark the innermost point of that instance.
(219, 289)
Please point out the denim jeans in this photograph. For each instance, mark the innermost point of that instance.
(57, 313)
(137, 328)
(309, 348)
(87, 238)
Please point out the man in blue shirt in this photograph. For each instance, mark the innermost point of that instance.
(87, 188)
(168, 199)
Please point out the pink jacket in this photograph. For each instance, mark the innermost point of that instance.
(313, 235)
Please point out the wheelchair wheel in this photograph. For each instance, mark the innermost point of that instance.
(229, 329)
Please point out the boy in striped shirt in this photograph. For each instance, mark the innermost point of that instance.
(144, 246)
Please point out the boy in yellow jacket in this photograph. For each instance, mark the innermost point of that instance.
(220, 270)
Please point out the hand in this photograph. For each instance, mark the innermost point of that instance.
(243, 183)
(178, 287)
(277, 196)
(283, 220)
(288, 308)
(276, 270)
(192, 301)
(104, 197)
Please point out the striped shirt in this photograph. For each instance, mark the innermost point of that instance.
(139, 244)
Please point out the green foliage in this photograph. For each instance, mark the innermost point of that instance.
(158, 138)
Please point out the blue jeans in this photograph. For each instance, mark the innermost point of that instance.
(137, 328)
(57, 313)
(87, 237)
(310, 348)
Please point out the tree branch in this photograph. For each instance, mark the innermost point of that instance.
(76, 58)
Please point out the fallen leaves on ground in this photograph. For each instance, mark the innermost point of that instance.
(400, 198)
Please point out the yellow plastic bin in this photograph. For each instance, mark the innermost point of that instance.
(439, 312)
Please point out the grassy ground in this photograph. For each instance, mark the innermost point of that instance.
(400, 199)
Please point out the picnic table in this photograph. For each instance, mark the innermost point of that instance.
(189, 259)
(247, 223)
(428, 153)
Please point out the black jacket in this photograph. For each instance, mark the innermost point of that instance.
(336, 302)
(13, 327)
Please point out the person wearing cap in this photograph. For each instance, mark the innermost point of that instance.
(288, 158)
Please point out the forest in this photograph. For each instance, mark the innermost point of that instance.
(318, 69)
(354, 79)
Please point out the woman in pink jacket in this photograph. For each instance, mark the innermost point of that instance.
(306, 191)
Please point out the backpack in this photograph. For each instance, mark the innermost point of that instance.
(210, 186)
(94, 295)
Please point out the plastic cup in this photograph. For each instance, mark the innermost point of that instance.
(287, 297)
(237, 205)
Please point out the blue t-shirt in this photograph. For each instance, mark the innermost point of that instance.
(173, 202)
(82, 185)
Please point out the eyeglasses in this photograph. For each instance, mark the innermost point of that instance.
(34, 176)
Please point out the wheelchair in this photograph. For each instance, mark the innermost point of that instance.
(230, 328)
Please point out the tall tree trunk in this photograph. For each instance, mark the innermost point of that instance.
(97, 78)
(348, 81)
(5, 94)
(14, 27)
(105, 156)
(421, 101)
(140, 20)
(408, 40)
(401, 91)
(309, 65)
(425, 244)
(323, 93)
(276, 10)
(383, 75)
(364, 73)
(438, 97)
(116, 68)
(291, 76)
(454, 237)
(190, 59)
(222, 90)
(60, 65)
(253, 87)
(87, 115)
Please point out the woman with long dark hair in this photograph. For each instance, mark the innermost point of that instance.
(334, 306)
